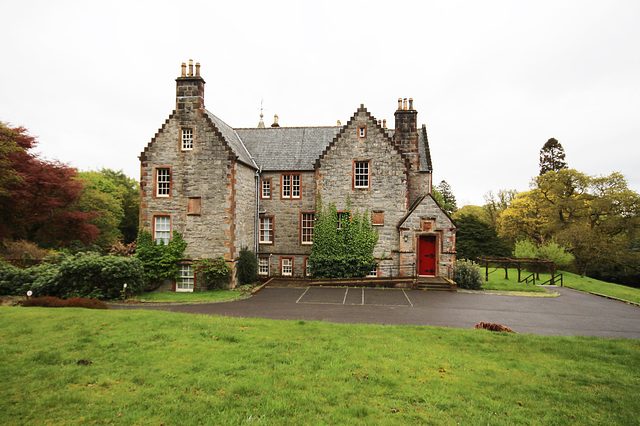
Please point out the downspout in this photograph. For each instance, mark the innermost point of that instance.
(256, 227)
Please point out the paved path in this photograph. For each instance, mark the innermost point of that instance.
(572, 313)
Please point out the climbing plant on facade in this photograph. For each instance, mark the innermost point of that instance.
(343, 243)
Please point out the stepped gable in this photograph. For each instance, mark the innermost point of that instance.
(287, 148)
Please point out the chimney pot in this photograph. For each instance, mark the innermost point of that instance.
(197, 69)
(190, 67)
(339, 123)
(399, 103)
(384, 123)
(404, 103)
(410, 103)
(184, 69)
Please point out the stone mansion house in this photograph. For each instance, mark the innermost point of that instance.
(225, 188)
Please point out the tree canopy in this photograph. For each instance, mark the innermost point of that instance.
(36, 195)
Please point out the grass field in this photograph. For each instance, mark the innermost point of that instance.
(171, 296)
(153, 367)
(498, 282)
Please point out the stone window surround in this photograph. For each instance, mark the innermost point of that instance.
(302, 227)
(262, 188)
(282, 265)
(271, 234)
(156, 172)
(290, 187)
(154, 224)
(355, 176)
(186, 139)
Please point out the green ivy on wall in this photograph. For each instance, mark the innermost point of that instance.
(160, 261)
(343, 243)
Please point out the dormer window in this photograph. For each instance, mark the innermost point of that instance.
(362, 131)
(187, 139)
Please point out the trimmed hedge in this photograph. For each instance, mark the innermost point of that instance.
(83, 275)
(73, 302)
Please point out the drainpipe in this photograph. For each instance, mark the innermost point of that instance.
(256, 233)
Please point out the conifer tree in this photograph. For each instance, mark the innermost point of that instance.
(552, 157)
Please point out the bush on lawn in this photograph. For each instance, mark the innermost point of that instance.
(247, 267)
(213, 273)
(467, 274)
(73, 302)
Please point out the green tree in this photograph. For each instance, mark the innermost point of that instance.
(595, 217)
(496, 203)
(477, 238)
(128, 194)
(448, 200)
(552, 157)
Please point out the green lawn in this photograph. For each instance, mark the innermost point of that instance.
(156, 367)
(198, 296)
(498, 282)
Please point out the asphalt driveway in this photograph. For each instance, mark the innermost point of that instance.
(571, 313)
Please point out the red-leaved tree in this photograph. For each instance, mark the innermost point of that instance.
(36, 200)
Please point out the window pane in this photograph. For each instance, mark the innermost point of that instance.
(187, 139)
(266, 188)
(307, 228)
(266, 230)
(263, 266)
(287, 266)
(185, 281)
(361, 171)
(163, 182)
(295, 186)
(286, 186)
(162, 229)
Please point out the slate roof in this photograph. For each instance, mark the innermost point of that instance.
(293, 148)
(233, 140)
(287, 148)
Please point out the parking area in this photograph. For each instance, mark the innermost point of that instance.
(570, 314)
(355, 296)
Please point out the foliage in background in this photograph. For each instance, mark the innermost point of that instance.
(444, 197)
(550, 250)
(212, 273)
(496, 203)
(247, 267)
(477, 238)
(467, 274)
(597, 218)
(160, 261)
(37, 195)
(345, 252)
(552, 157)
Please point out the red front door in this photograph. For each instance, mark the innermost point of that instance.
(427, 255)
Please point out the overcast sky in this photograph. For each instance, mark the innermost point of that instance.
(492, 80)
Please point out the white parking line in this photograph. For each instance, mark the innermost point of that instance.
(305, 292)
(346, 291)
(408, 300)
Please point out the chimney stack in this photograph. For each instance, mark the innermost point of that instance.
(406, 131)
(189, 89)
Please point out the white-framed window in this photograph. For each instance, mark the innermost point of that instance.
(266, 230)
(374, 272)
(263, 266)
(362, 131)
(307, 269)
(287, 266)
(361, 174)
(343, 217)
(290, 185)
(187, 139)
(306, 228)
(162, 229)
(265, 189)
(185, 279)
(163, 182)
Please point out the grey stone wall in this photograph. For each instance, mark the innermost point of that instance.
(428, 210)
(205, 171)
(244, 198)
(388, 187)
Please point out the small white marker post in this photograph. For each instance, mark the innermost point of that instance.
(124, 291)
(29, 293)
